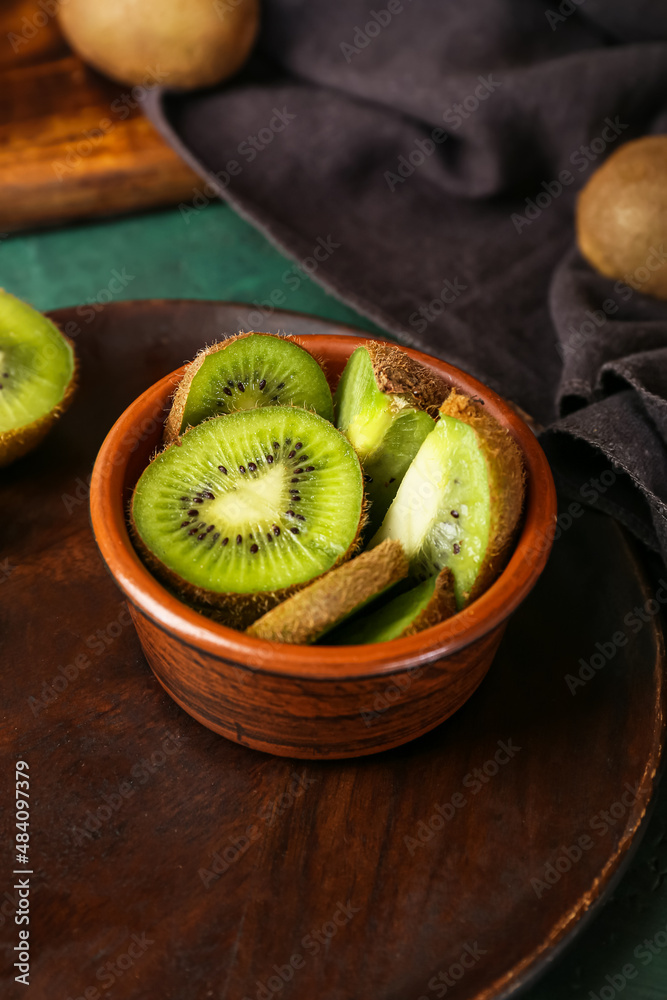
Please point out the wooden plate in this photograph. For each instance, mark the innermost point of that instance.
(169, 862)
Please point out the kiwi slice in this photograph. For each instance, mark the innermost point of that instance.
(246, 371)
(315, 610)
(460, 501)
(37, 376)
(427, 604)
(381, 403)
(246, 508)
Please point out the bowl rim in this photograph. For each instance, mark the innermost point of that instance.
(325, 663)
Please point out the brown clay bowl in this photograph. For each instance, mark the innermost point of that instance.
(305, 701)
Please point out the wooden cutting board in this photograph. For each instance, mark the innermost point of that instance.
(73, 145)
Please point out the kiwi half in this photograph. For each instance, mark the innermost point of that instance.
(246, 508)
(246, 371)
(37, 376)
(460, 501)
(381, 403)
(427, 604)
(315, 610)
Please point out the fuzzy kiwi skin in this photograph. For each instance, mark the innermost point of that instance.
(233, 610)
(18, 441)
(189, 43)
(172, 427)
(506, 476)
(442, 605)
(622, 214)
(397, 374)
(413, 387)
(333, 596)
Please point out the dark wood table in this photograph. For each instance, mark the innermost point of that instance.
(168, 862)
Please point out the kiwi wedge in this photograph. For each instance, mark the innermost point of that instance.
(246, 508)
(37, 376)
(381, 403)
(312, 612)
(427, 604)
(460, 501)
(246, 371)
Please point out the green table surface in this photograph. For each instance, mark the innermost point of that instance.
(216, 255)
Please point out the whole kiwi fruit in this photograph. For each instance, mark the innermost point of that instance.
(622, 216)
(177, 43)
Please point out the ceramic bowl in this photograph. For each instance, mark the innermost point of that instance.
(313, 701)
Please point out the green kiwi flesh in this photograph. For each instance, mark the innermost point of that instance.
(312, 612)
(244, 372)
(427, 604)
(37, 376)
(246, 507)
(460, 501)
(378, 402)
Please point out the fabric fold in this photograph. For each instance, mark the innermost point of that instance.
(422, 162)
